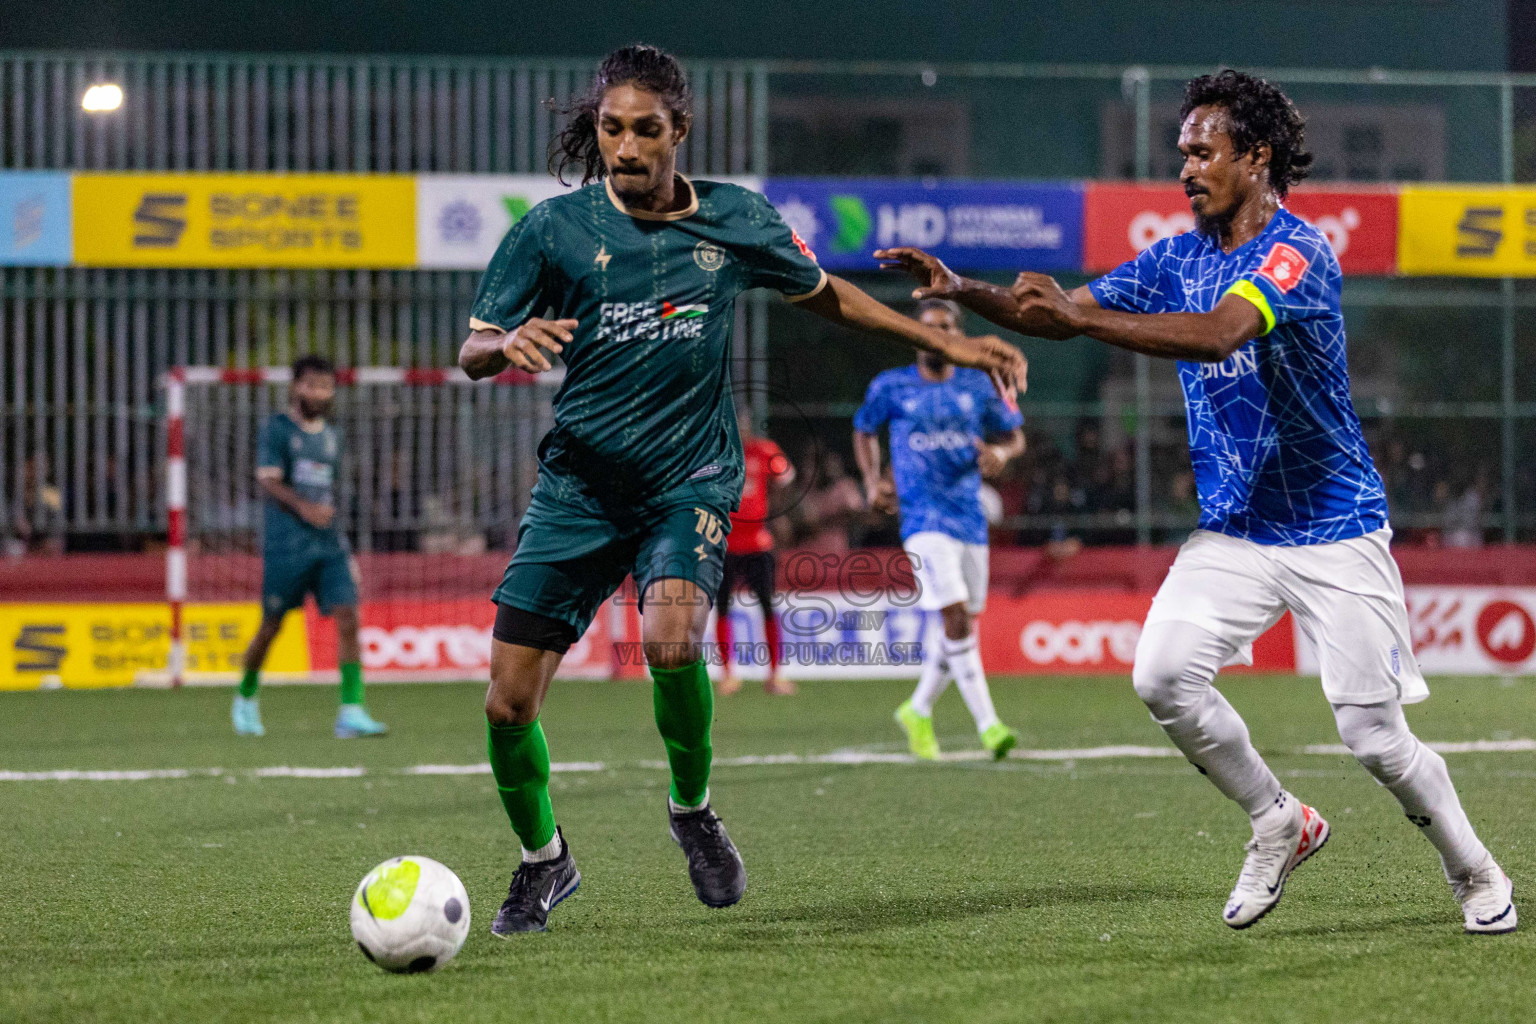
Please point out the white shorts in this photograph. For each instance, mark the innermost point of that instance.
(948, 570)
(1347, 598)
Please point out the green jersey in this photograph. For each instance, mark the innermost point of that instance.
(307, 462)
(644, 418)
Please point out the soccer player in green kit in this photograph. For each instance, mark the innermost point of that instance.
(302, 550)
(643, 465)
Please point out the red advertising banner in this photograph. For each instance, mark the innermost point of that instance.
(1468, 630)
(1069, 632)
(1120, 220)
(1044, 633)
(451, 639)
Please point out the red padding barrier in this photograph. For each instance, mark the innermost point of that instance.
(1015, 572)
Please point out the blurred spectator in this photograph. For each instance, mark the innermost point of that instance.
(392, 512)
(1461, 515)
(36, 517)
(104, 500)
(1182, 500)
(833, 505)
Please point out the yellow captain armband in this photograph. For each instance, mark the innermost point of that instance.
(1251, 292)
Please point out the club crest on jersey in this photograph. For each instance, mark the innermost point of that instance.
(708, 256)
(1283, 267)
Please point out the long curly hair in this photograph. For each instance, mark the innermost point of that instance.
(645, 67)
(1257, 112)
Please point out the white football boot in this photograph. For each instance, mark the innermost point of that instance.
(1270, 861)
(1487, 900)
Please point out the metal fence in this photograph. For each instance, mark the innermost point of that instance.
(1444, 374)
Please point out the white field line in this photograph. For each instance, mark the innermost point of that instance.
(1467, 747)
(285, 772)
(836, 757)
(484, 768)
(141, 775)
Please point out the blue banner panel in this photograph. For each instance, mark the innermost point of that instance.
(970, 225)
(34, 219)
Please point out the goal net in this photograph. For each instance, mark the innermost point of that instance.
(434, 472)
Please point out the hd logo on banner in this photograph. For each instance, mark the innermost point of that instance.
(1484, 232)
(969, 225)
(244, 220)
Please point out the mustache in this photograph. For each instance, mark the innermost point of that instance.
(1195, 190)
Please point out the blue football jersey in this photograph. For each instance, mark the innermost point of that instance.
(1278, 453)
(934, 429)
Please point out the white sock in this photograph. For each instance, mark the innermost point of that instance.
(549, 851)
(677, 808)
(1428, 797)
(1175, 663)
(964, 657)
(932, 681)
(1279, 814)
(1379, 736)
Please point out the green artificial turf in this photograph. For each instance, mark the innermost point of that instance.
(968, 891)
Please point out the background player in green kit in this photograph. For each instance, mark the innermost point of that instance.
(303, 551)
(643, 465)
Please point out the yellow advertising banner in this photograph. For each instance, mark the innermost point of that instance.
(94, 645)
(244, 220)
(1467, 232)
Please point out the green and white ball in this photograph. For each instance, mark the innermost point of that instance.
(410, 914)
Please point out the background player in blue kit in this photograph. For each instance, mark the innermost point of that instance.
(303, 549)
(1292, 511)
(949, 428)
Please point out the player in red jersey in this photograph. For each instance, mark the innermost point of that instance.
(749, 555)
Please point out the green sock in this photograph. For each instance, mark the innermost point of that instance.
(248, 682)
(520, 762)
(351, 682)
(685, 706)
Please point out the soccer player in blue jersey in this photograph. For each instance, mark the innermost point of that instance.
(948, 428)
(1292, 511)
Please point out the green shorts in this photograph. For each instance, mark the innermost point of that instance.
(678, 543)
(286, 577)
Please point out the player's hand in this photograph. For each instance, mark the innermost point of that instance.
(989, 458)
(880, 495)
(522, 346)
(1004, 363)
(317, 514)
(1044, 301)
(935, 279)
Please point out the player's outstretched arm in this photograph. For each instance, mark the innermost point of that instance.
(486, 353)
(990, 301)
(1194, 337)
(843, 302)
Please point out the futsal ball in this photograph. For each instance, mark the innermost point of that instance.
(410, 914)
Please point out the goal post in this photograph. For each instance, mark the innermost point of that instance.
(434, 473)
